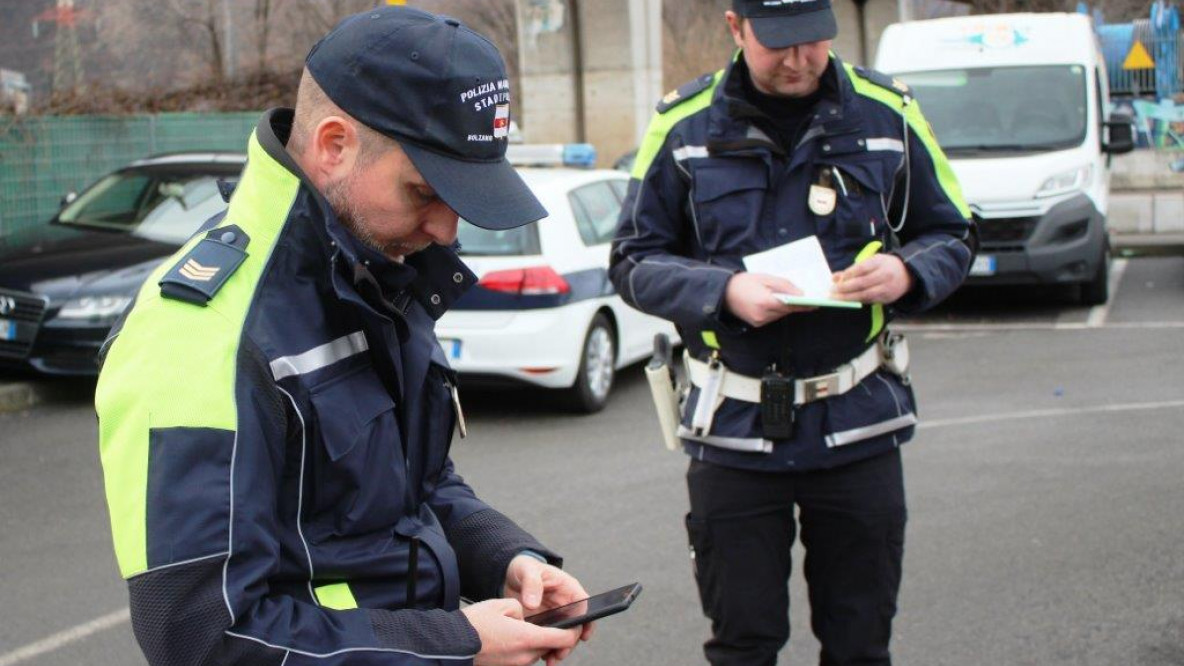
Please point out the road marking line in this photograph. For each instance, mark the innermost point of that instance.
(63, 638)
(1035, 326)
(1041, 413)
(1098, 313)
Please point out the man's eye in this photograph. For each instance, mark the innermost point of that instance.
(426, 196)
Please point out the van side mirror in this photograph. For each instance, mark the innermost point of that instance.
(1119, 134)
(67, 199)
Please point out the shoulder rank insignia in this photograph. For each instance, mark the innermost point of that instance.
(685, 92)
(884, 81)
(205, 268)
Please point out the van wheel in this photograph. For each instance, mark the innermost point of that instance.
(1096, 290)
(598, 362)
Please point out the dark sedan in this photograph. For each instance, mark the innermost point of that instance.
(63, 284)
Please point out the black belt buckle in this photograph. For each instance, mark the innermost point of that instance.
(777, 415)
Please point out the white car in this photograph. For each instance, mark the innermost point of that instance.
(544, 312)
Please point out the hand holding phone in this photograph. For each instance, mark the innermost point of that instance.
(586, 610)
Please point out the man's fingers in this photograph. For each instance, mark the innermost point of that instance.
(532, 588)
(856, 271)
(511, 608)
(848, 288)
(587, 631)
(555, 639)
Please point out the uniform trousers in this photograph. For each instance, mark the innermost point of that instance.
(741, 527)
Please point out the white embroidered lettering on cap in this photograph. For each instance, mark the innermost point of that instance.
(493, 92)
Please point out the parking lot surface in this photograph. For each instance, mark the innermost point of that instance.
(1046, 501)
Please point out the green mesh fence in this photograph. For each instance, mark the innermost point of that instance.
(43, 158)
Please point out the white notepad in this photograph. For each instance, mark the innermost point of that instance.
(803, 263)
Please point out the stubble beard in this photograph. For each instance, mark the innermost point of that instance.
(339, 196)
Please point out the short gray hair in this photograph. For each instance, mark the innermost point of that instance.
(313, 105)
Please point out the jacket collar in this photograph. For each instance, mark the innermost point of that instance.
(435, 277)
(735, 120)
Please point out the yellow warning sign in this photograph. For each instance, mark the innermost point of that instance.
(1138, 58)
(396, 2)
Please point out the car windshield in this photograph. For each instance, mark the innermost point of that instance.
(478, 242)
(1004, 109)
(166, 205)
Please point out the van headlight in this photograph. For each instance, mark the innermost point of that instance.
(94, 308)
(1070, 181)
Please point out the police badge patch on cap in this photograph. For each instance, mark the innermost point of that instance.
(501, 121)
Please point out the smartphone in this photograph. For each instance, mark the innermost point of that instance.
(587, 610)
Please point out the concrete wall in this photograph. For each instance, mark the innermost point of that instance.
(621, 77)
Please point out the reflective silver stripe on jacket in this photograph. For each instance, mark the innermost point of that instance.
(746, 444)
(892, 145)
(687, 152)
(867, 432)
(320, 357)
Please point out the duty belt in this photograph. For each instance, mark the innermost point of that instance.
(716, 382)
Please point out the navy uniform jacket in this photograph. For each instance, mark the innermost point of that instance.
(710, 186)
(275, 434)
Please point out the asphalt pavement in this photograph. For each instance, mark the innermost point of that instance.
(1045, 489)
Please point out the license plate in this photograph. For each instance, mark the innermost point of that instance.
(451, 347)
(7, 330)
(984, 264)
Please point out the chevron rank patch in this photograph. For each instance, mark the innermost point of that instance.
(687, 91)
(198, 276)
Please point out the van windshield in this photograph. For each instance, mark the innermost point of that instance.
(1003, 109)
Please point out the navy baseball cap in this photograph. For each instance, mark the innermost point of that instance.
(441, 91)
(779, 24)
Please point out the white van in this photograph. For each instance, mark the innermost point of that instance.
(1018, 102)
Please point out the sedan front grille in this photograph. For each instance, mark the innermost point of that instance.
(22, 314)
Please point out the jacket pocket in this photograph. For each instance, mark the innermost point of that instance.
(438, 388)
(858, 218)
(728, 195)
(359, 472)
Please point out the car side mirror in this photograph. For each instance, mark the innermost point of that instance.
(1119, 134)
(67, 199)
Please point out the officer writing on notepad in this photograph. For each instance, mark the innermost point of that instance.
(793, 405)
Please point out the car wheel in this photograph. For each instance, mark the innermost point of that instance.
(598, 361)
(1096, 290)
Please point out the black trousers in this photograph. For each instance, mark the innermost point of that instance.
(741, 528)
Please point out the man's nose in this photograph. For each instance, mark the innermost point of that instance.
(794, 57)
(441, 223)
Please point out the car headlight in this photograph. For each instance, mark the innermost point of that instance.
(1070, 181)
(94, 307)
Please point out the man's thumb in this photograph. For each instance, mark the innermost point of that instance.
(532, 588)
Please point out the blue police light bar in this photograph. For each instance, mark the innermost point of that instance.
(579, 155)
(552, 155)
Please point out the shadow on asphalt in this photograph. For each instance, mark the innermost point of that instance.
(65, 391)
(491, 400)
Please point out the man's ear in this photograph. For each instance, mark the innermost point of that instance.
(334, 150)
(736, 27)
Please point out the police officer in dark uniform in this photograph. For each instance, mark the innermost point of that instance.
(275, 411)
(789, 405)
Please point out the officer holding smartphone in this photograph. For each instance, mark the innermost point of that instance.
(792, 407)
